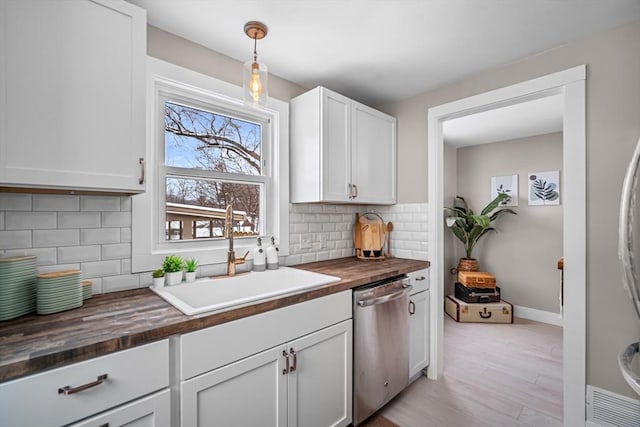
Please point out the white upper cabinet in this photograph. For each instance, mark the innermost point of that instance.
(341, 151)
(72, 95)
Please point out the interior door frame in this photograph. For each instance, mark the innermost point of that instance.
(571, 83)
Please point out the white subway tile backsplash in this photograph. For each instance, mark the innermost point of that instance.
(116, 251)
(315, 227)
(125, 266)
(30, 220)
(99, 235)
(120, 283)
(100, 204)
(44, 256)
(54, 203)
(125, 235)
(15, 239)
(57, 267)
(15, 202)
(116, 219)
(55, 238)
(97, 238)
(78, 219)
(125, 204)
(79, 254)
(100, 269)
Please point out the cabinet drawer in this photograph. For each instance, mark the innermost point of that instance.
(36, 401)
(419, 280)
(150, 411)
(210, 348)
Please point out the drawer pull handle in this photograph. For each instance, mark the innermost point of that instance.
(295, 360)
(105, 425)
(421, 278)
(67, 390)
(412, 308)
(285, 371)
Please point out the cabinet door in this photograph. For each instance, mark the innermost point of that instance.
(374, 155)
(336, 147)
(249, 392)
(72, 94)
(151, 411)
(419, 338)
(320, 387)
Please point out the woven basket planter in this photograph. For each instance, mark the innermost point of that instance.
(468, 264)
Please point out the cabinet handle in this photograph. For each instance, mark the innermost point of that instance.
(285, 371)
(355, 191)
(420, 279)
(295, 360)
(67, 390)
(350, 187)
(104, 425)
(141, 162)
(412, 308)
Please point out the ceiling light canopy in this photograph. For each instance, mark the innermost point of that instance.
(254, 73)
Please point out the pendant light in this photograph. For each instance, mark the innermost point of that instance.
(254, 73)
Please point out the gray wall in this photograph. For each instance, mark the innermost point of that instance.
(613, 127)
(523, 254)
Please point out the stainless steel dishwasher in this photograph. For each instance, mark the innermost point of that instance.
(380, 344)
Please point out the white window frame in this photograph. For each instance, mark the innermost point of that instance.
(166, 81)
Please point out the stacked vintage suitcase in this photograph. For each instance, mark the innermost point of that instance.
(477, 299)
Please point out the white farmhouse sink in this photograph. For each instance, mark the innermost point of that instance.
(216, 294)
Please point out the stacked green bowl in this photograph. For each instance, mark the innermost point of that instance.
(17, 286)
(87, 290)
(58, 291)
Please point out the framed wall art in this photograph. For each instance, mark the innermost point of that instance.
(544, 188)
(507, 184)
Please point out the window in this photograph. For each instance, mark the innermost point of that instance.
(206, 150)
(211, 160)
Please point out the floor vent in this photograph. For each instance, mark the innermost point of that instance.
(608, 409)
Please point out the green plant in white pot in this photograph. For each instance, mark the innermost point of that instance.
(172, 266)
(158, 278)
(190, 266)
(469, 227)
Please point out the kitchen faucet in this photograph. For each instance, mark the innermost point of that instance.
(232, 260)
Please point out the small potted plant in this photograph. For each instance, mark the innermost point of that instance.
(190, 266)
(172, 266)
(158, 278)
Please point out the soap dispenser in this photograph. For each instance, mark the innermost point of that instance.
(259, 257)
(272, 255)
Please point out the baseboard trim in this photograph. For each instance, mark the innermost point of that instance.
(538, 315)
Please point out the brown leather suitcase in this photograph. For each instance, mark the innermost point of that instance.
(476, 295)
(493, 312)
(477, 279)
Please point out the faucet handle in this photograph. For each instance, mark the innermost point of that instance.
(242, 259)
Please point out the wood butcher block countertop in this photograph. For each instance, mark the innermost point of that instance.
(120, 320)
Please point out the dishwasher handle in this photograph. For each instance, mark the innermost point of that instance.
(385, 298)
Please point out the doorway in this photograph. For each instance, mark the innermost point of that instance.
(571, 85)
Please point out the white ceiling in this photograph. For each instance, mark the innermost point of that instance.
(537, 117)
(378, 51)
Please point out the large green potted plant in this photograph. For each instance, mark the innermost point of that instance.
(469, 227)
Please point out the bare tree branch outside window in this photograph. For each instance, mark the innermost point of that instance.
(206, 141)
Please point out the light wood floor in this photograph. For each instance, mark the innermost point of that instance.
(494, 375)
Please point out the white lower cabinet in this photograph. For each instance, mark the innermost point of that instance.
(419, 338)
(150, 411)
(304, 381)
(82, 390)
